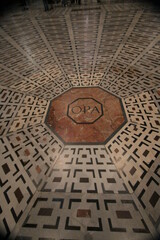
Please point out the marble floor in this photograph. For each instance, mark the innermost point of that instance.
(80, 122)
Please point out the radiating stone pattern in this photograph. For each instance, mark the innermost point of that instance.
(52, 191)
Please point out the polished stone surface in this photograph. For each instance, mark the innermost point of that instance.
(50, 189)
(85, 115)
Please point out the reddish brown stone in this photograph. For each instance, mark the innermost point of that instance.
(123, 214)
(38, 169)
(26, 152)
(85, 115)
(18, 195)
(6, 168)
(85, 213)
(18, 138)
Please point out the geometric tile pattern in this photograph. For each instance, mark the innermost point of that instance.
(85, 43)
(61, 38)
(36, 155)
(90, 191)
(142, 110)
(129, 75)
(134, 150)
(19, 111)
(27, 63)
(84, 216)
(84, 169)
(148, 193)
(16, 189)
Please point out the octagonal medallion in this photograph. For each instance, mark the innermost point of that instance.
(85, 115)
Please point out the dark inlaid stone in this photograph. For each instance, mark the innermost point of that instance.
(5, 168)
(17, 125)
(3, 96)
(57, 179)
(84, 180)
(123, 214)
(135, 128)
(9, 110)
(132, 171)
(84, 155)
(16, 97)
(26, 152)
(85, 213)
(18, 138)
(111, 180)
(38, 169)
(146, 152)
(45, 212)
(0, 210)
(53, 150)
(116, 150)
(154, 199)
(18, 195)
(157, 138)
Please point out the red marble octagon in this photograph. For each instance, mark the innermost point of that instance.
(85, 115)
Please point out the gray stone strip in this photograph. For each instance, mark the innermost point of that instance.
(140, 56)
(100, 29)
(71, 35)
(43, 37)
(15, 45)
(128, 33)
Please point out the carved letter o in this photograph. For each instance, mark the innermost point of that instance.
(79, 109)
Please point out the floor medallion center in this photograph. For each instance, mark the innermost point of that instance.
(85, 110)
(85, 115)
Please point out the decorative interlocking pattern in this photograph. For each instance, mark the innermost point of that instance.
(134, 150)
(85, 191)
(142, 109)
(84, 216)
(19, 111)
(84, 169)
(37, 150)
(16, 189)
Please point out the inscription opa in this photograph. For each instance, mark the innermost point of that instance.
(85, 109)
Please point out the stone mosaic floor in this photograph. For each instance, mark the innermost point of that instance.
(80, 122)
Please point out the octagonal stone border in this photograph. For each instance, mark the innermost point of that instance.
(88, 143)
(85, 122)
